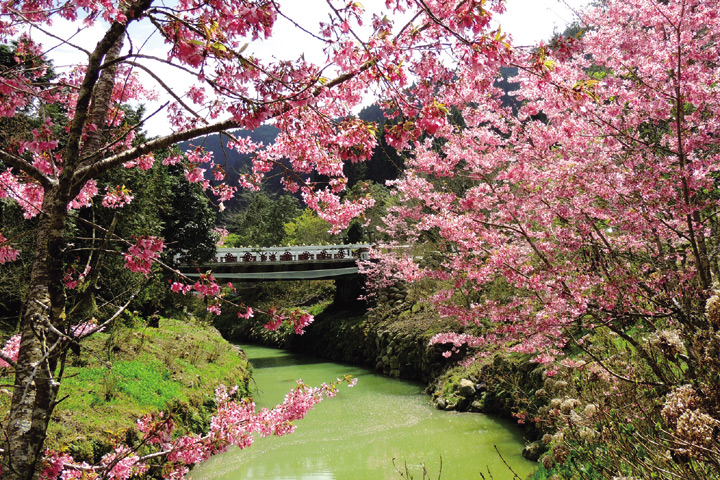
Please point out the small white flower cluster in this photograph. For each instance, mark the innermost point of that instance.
(696, 428)
(677, 402)
(590, 410)
(668, 342)
(712, 309)
(568, 405)
(692, 426)
(578, 426)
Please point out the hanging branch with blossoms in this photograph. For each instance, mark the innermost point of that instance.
(234, 424)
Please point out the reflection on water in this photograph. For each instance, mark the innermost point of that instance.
(284, 359)
(357, 434)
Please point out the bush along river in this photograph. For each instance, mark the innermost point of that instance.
(359, 433)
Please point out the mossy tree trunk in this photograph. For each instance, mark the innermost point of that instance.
(39, 364)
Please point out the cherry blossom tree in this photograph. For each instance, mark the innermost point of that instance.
(595, 206)
(311, 104)
(584, 216)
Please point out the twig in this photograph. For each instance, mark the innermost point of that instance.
(515, 475)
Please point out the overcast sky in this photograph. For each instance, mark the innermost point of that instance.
(528, 21)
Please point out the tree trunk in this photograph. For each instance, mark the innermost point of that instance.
(41, 348)
(36, 385)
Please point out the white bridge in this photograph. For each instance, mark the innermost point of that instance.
(283, 263)
(292, 254)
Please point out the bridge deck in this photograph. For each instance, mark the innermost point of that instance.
(324, 274)
(284, 263)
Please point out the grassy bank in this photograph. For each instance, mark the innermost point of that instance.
(132, 370)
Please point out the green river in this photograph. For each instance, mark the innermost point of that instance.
(357, 434)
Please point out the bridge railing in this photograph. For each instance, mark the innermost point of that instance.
(292, 254)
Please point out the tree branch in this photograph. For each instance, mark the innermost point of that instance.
(26, 167)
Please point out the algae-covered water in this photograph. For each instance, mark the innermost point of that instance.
(356, 435)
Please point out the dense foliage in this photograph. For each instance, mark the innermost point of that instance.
(259, 222)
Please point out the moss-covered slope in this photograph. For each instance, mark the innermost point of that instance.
(132, 370)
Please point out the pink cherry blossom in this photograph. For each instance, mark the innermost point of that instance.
(195, 175)
(117, 197)
(180, 287)
(84, 198)
(141, 255)
(10, 350)
(7, 253)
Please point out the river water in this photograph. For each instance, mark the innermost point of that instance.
(357, 434)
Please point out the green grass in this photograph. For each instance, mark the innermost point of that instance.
(129, 372)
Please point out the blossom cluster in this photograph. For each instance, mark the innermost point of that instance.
(72, 277)
(29, 195)
(296, 318)
(7, 253)
(141, 255)
(10, 350)
(117, 197)
(85, 328)
(693, 428)
(221, 234)
(456, 340)
(234, 424)
(84, 198)
(145, 162)
(207, 286)
(178, 287)
(42, 142)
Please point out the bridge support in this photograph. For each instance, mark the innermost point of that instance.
(347, 290)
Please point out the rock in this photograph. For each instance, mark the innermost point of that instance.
(476, 406)
(440, 403)
(534, 450)
(394, 362)
(462, 404)
(467, 388)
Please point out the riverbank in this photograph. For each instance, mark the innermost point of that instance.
(133, 369)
